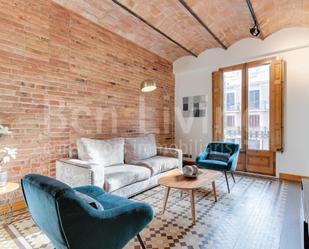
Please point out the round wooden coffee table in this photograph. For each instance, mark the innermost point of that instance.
(174, 179)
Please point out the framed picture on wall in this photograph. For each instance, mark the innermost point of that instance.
(194, 106)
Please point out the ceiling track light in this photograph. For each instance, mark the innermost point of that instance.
(255, 31)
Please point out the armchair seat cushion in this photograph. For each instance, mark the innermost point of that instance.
(158, 164)
(119, 176)
(89, 200)
(213, 164)
(107, 200)
(111, 201)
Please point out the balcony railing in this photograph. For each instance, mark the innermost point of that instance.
(233, 108)
(257, 133)
(263, 106)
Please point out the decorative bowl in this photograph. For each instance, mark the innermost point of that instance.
(190, 171)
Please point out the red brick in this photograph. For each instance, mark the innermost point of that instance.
(47, 79)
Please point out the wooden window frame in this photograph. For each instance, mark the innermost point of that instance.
(276, 92)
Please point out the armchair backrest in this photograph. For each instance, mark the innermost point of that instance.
(41, 194)
(70, 222)
(223, 147)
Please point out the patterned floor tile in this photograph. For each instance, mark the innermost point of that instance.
(249, 217)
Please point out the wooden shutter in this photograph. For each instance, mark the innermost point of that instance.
(217, 106)
(277, 105)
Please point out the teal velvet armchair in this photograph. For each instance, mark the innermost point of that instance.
(71, 223)
(230, 149)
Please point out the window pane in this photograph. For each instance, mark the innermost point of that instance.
(230, 120)
(258, 105)
(254, 99)
(232, 84)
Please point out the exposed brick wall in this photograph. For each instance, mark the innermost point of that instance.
(63, 77)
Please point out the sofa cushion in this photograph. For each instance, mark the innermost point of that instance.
(119, 176)
(159, 164)
(139, 148)
(102, 152)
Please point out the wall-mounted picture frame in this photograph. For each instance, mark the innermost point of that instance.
(194, 106)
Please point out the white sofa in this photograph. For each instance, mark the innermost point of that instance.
(123, 166)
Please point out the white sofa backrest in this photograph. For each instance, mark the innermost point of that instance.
(102, 152)
(139, 148)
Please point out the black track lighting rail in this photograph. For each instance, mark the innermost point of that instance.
(256, 23)
(188, 8)
(153, 27)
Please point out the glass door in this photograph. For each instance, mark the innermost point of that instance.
(259, 158)
(232, 106)
(258, 107)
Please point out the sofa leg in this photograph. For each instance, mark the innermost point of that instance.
(227, 181)
(233, 177)
(141, 241)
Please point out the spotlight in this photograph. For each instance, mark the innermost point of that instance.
(255, 31)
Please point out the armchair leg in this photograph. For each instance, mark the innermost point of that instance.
(141, 241)
(233, 177)
(227, 181)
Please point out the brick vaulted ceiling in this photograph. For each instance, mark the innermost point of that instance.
(176, 28)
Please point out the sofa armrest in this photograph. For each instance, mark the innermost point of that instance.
(171, 152)
(77, 173)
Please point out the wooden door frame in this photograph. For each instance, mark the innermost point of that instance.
(244, 111)
(246, 114)
(250, 153)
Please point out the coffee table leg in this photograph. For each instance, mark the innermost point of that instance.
(181, 194)
(192, 206)
(167, 192)
(214, 189)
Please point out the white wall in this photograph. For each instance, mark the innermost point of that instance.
(193, 77)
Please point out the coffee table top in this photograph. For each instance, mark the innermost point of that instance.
(10, 187)
(174, 179)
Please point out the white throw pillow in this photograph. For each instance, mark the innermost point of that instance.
(139, 148)
(102, 152)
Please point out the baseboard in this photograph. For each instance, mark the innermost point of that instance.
(291, 177)
(19, 204)
(255, 174)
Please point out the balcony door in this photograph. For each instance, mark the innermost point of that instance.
(247, 109)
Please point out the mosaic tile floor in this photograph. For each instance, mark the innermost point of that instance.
(250, 217)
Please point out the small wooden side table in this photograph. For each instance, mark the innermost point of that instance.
(7, 200)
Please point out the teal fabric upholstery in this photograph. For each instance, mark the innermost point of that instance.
(71, 223)
(223, 147)
(202, 160)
